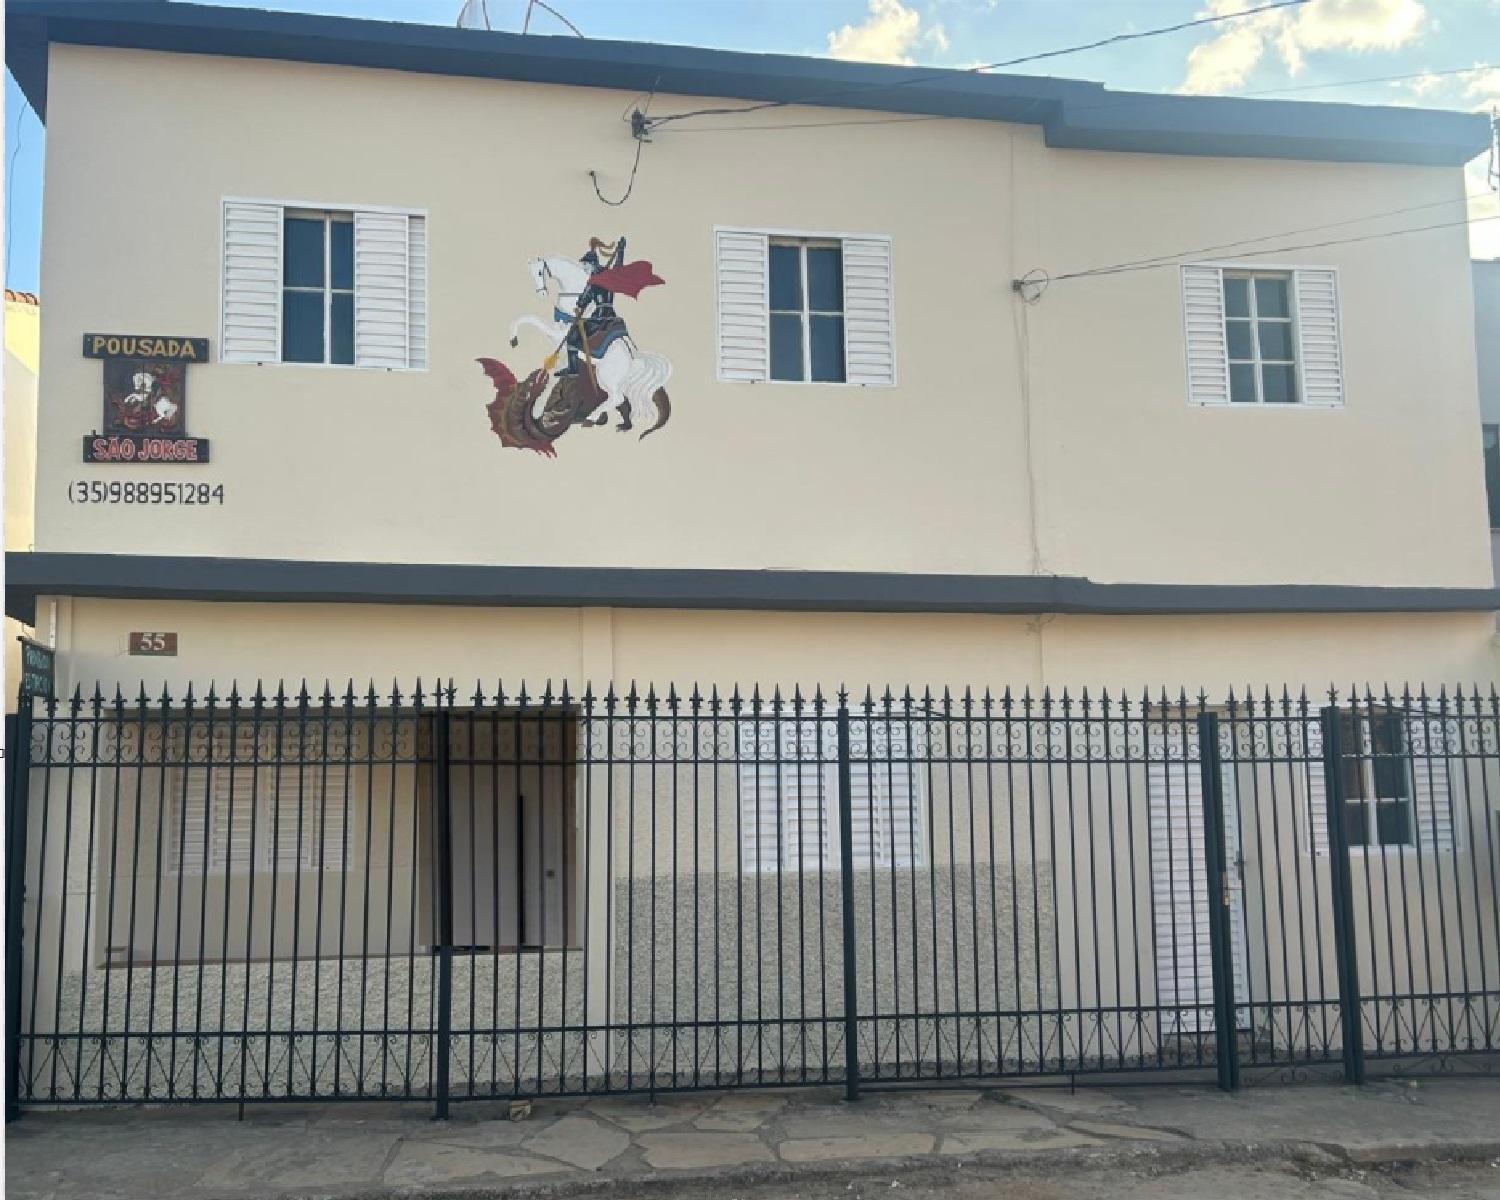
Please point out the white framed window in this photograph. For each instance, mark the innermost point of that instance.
(250, 810)
(804, 307)
(1378, 781)
(323, 284)
(1397, 791)
(788, 795)
(807, 311)
(1262, 336)
(317, 287)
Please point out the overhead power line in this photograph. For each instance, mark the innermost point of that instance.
(1043, 280)
(1284, 233)
(927, 76)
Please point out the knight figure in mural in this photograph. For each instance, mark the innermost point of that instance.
(594, 316)
(595, 367)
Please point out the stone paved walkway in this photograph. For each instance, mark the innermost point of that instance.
(279, 1152)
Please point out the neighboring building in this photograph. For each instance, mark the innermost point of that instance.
(819, 438)
(1487, 344)
(22, 352)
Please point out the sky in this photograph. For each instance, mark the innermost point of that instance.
(1322, 42)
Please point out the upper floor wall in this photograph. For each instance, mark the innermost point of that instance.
(990, 435)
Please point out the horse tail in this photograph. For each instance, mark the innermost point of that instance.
(663, 409)
(643, 385)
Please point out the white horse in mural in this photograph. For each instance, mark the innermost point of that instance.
(622, 372)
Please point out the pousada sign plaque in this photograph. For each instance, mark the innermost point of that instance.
(145, 399)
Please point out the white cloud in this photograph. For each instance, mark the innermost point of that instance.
(887, 35)
(1225, 61)
(1424, 85)
(1483, 90)
(890, 34)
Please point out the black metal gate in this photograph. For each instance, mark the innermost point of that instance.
(285, 896)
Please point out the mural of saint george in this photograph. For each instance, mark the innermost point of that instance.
(594, 368)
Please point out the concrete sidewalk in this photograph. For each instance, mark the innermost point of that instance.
(705, 1143)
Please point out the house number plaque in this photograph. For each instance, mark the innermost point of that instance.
(154, 645)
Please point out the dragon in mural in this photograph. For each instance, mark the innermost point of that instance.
(605, 372)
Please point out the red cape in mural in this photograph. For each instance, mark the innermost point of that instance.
(630, 279)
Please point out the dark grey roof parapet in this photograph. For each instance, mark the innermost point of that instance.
(1072, 113)
(120, 576)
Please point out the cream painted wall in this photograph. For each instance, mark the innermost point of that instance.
(22, 359)
(1130, 482)
(22, 352)
(226, 644)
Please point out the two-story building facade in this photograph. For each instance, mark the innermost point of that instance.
(949, 484)
(381, 353)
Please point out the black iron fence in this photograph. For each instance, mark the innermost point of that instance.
(429, 895)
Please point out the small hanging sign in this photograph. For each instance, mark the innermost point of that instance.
(38, 669)
(145, 399)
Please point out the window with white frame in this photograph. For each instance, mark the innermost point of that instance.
(788, 795)
(807, 311)
(317, 287)
(1377, 780)
(1258, 336)
(1394, 775)
(799, 307)
(323, 284)
(249, 809)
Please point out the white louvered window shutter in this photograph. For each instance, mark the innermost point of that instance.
(309, 823)
(1319, 348)
(416, 291)
(215, 811)
(191, 833)
(234, 820)
(742, 275)
(869, 313)
(1316, 791)
(885, 794)
(1203, 328)
(382, 284)
(804, 810)
(1432, 794)
(784, 805)
(250, 329)
(308, 810)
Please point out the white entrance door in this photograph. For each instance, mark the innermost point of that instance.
(1180, 897)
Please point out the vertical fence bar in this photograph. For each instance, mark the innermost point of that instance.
(1343, 899)
(1220, 896)
(444, 874)
(17, 781)
(846, 885)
